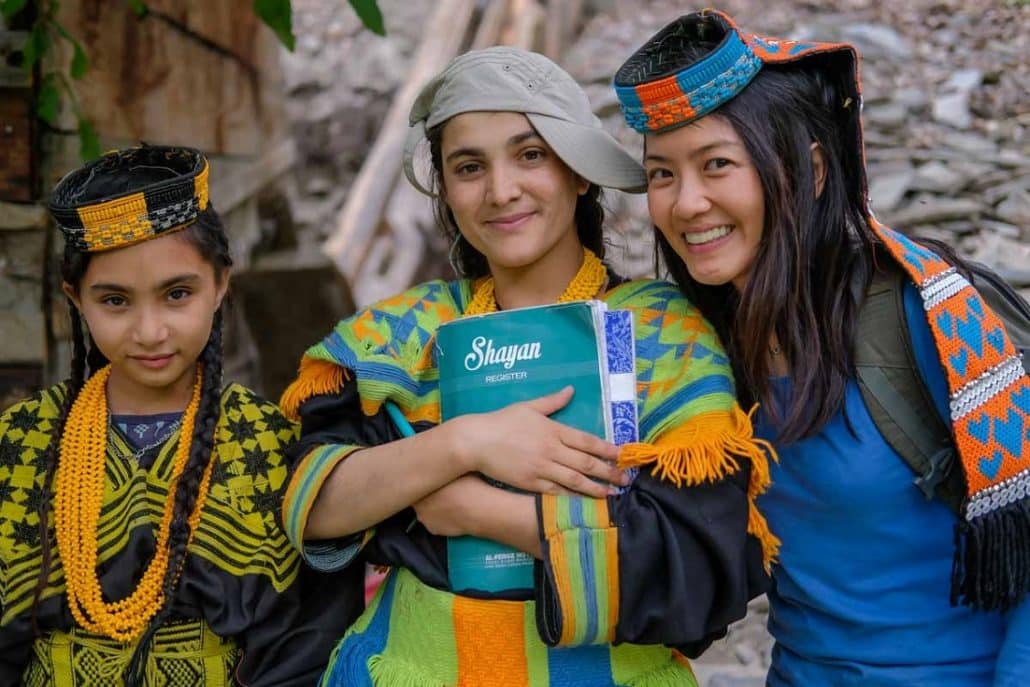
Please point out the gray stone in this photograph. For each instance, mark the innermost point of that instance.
(939, 177)
(963, 80)
(931, 209)
(912, 98)
(973, 144)
(886, 190)
(1015, 208)
(1009, 231)
(953, 109)
(746, 654)
(877, 40)
(737, 681)
(890, 114)
(1009, 258)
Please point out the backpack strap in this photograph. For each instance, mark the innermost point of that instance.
(896, 395)
(1007, 304)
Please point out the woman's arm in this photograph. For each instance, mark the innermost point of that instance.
(518, 445)
(658, 564)
(470, 506)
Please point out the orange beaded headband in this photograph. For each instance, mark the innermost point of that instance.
(130, 196)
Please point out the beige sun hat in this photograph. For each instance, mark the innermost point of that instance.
(505, 79)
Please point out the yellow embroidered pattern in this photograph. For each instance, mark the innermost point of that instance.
(79, 493)
(587, 283)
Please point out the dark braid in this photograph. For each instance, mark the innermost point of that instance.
(53, 450)
(95, 359)
(187, 490)
(207, 235)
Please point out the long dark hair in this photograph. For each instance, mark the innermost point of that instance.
(814, 258)
(207, 235)
(469, 262)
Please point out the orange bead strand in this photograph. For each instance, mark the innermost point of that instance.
(588, 282)
(79, 494)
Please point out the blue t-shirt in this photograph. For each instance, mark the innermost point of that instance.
(861, 591)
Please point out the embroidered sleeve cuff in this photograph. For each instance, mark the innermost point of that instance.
(301, 493)
(578, 593)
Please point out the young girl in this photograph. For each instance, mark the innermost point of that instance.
(757, 188)
(138, 529)
(625, 583)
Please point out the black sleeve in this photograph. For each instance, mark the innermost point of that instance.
(292, 646)
(684, 564)
(338, 420)
(16, 639)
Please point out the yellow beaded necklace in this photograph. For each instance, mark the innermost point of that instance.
(79, 491)
(589, 280)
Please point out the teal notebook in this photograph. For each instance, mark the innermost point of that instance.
(487, 362)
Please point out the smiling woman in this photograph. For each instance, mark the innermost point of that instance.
(906, 553)
(159, 485)
(629, 581)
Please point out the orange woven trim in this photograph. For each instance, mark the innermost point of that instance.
(128, 209)
(657, 92)
(563, 585)
(672, 111)
(612, 565)
(707, 449)
(489, 642)
(315, 378)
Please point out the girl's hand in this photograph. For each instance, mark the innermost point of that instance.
(521, 446)
(470, 506)
(446, 512)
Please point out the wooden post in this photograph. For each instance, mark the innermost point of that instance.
(348, 244)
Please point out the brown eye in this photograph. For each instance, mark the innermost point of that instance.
(178, 294)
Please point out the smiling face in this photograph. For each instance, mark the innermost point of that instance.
(705, 196)
(149, 308)
(512, 197)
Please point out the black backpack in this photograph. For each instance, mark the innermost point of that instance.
(894, 390)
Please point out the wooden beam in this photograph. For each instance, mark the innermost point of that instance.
(560, 25)
(491, 23)
(349, 242)
(523, 30)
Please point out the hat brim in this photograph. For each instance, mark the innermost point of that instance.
(592, 153)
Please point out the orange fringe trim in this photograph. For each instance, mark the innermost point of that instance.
(708, 449)
(315, 377)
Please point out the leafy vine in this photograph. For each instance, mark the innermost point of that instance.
(45, 31)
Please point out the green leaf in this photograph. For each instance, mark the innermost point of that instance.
(48, 101)
(138, 8)
(89, 143)
(278, 15)
(80, 62)
(9, 8)
(35, 45)
(371, 17)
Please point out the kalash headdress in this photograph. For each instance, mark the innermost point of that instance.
(660, 88)
(129, 196)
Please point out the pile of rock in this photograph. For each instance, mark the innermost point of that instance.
(946, 110)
